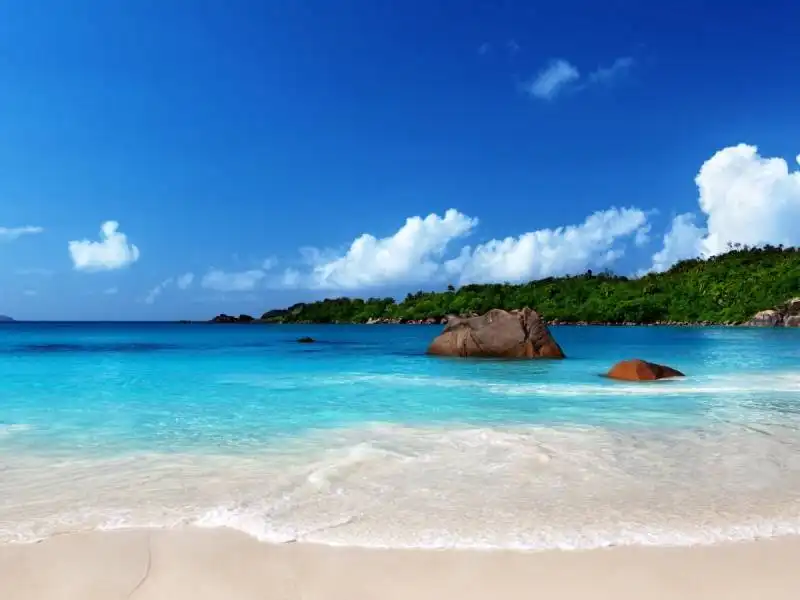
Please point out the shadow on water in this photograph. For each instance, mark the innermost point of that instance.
(330, 343)
(123, 347)
(143, 347)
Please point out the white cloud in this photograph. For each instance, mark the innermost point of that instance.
(548, 252)
(745, 198)
(682, 241)
(416, 253)
(411, 254)
(156, 291)
(642, 236)
(8, 234)
(239, 281)
(608, 74)
(553, 79)
(112, 251)
(110, 291)
(184, 281)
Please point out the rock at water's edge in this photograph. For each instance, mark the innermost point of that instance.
(641, 370)
(785, 315)
(305, 340)
(766, 318)
(497, 334)
(792, 321)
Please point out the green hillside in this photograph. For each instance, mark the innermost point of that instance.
(728, 288)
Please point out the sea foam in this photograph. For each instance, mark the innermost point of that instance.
(385, 485)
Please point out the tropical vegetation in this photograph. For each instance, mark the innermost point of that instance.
(727, 288)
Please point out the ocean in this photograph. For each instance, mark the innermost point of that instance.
(360, 439)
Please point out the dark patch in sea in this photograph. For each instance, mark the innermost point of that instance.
(335, 342)
(120, 347)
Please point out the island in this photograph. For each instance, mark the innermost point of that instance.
(6, 319)
(727, 289)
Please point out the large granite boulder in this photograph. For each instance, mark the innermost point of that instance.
(792, 321)
(785, 315)
(766, 318)
(497, 334)
(641, 370)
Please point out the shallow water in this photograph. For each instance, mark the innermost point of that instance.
(361, 439)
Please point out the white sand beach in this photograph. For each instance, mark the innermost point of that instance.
(214, 564)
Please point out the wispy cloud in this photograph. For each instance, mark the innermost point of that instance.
(157, 290)
(513, 47)
(8, 234)
(553, 79)
(612, 72)
(559, 75)
(30, 292)
(184, 281)
(110, 291)
(484, 48)
(269, 263)
(237, 281)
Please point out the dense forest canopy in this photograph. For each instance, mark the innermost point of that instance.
(727, 288)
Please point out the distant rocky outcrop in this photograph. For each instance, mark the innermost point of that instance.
(305, 340)
(784, 315)
(497, 334)
(641, 370)
(223, 318)
(275, 314)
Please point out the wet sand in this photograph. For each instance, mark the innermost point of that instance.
(206, 564)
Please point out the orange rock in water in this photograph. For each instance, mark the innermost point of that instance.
(641, 370)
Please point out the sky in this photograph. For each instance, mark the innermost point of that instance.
(174, 159)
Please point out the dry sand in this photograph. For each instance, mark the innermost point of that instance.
(197, 564)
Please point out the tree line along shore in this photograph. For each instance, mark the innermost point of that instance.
(727, 289)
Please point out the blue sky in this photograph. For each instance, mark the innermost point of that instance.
(244, 148)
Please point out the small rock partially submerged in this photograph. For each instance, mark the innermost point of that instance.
(641, 370)
(785, 315)
(497, 334)
(305, 340)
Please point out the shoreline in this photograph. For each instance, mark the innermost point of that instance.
(199, 564)
(443, 322)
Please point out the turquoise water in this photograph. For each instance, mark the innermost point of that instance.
(362, 439)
